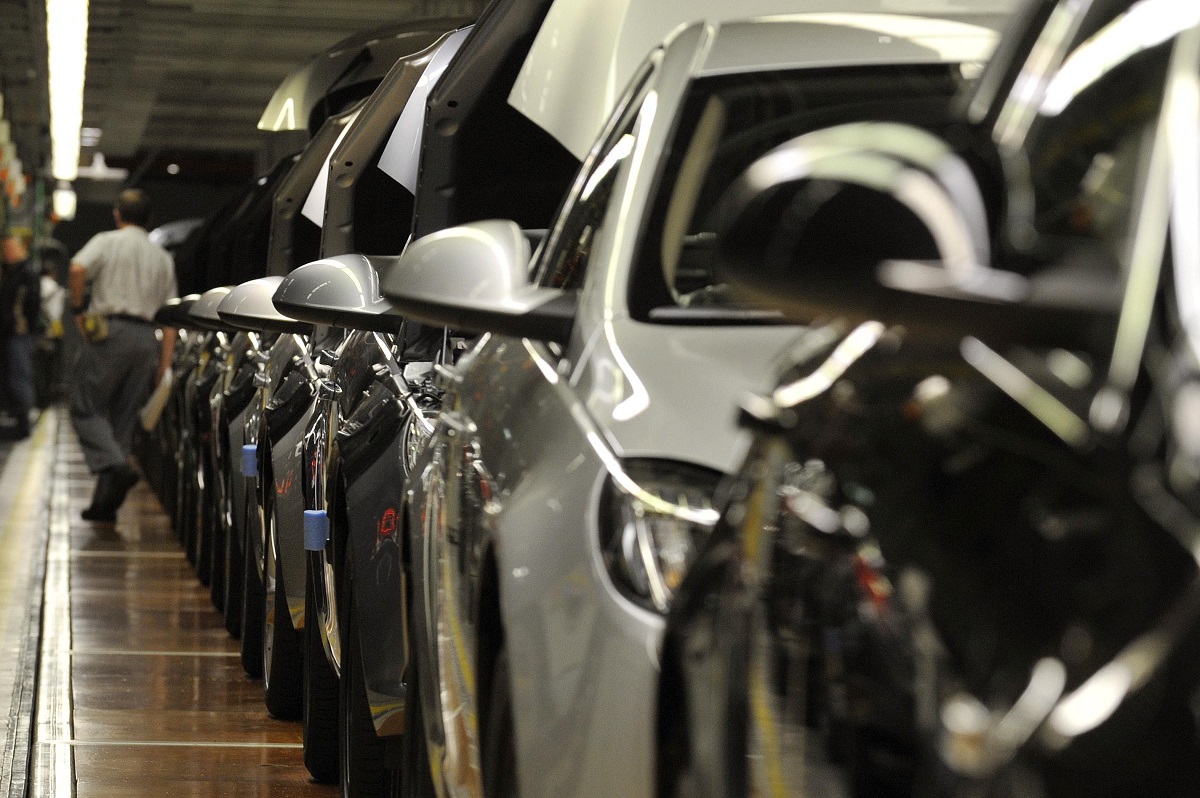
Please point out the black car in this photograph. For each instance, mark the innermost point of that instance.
(961, 556)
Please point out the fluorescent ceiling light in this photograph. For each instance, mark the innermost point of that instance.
(66, 37)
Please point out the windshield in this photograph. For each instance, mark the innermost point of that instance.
(726, 123)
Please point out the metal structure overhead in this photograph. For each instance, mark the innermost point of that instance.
(180, 76)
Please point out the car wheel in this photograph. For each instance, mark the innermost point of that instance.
(499, 749)
(320, 697)
(363, 774)
(283, 655)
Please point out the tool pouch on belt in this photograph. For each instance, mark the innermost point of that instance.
(95, 327)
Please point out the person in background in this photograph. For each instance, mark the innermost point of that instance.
(130, 278)
(47, 359)
(20, 312)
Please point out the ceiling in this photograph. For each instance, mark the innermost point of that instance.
(181, 79)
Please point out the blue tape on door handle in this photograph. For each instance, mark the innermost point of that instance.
(250, 460)
(316, 530)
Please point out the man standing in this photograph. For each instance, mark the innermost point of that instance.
(130, 278)
(20, 310)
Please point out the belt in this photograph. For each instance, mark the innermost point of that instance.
(127, 317)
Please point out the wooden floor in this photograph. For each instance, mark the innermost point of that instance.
(140, 689)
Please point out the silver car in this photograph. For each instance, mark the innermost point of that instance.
(571, 472)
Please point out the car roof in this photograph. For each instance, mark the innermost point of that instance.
(585, 53)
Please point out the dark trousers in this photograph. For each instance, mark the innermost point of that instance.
(47, 372)
(112, 380)
(19, 350)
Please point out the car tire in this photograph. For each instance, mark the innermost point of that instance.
(499, 746)
(283, 656)
(321, 697)
(362, 769)
(253, 599)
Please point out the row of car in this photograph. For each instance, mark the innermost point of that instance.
(815, 415)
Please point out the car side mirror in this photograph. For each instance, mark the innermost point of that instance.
(341, 291)
(476, 277)
(248, 307)
(174, 312)
(885, 221)
(203, 312)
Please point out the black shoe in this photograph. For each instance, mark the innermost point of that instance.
(123, 481)
(100, 515)
(102, 495)
(112, 485)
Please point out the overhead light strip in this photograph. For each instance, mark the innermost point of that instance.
(66, 36)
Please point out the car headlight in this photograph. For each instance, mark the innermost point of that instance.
(654, 516)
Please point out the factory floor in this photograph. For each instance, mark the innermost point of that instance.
(120, 677)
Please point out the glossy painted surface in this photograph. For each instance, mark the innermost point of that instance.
(512, 497)
(338, 392)
(229, 402)
(353, 451)
(199, 512)
(173, 313)
(293, 102)
(483, 266)
(204, 311)
(249, 306)
(341, 290)
(957, 562)
(572, 98)
(280, 450)
(284, 348)
(911, 547)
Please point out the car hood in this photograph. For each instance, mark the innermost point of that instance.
(586, 53)
(673, 392)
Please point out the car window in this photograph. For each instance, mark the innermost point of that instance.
(565, 255)
(726, 123)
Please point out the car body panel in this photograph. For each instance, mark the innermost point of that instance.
(571, 99)
(467, 117)
(510, 486)
(338, 393)
(956, 483)
(295, 239)
(401, 152)
(363, 212)
(363, 58)
(229, 418)
(370, 445)
(287, 402)
(913, 552)
(338, 290)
